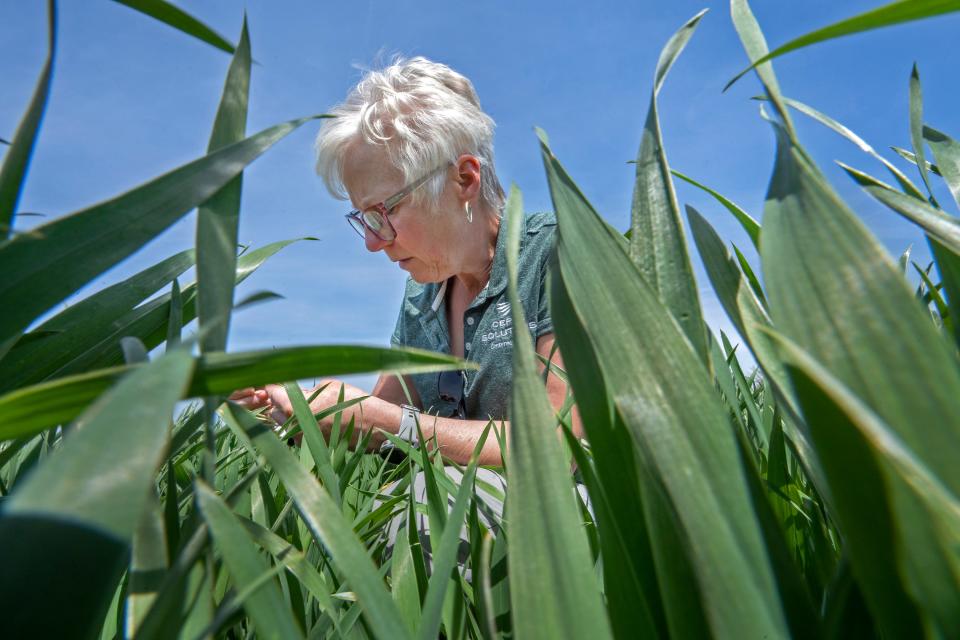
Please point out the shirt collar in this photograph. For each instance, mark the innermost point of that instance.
(498, 271)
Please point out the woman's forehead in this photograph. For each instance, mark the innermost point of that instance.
(368, 175)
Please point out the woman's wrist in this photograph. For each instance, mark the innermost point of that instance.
(373, 415)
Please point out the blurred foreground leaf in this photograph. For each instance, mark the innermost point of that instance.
(45, 405)
(80, 508)
(666, 398)
(553, 588)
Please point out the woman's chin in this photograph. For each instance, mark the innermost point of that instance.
(424, 278)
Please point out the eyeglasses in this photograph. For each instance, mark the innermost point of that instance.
(375, 218)
(450, 388)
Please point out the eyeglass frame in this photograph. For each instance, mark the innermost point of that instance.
(385, 208)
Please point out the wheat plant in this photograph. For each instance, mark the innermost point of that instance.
(816, 495)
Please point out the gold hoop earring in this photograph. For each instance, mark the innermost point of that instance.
(469, 211)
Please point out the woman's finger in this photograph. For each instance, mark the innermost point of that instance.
(252, 403)
(250, 392)
(240, 393)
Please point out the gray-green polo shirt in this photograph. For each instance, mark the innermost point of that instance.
(487, 323)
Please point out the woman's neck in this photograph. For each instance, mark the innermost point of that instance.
(482, 253)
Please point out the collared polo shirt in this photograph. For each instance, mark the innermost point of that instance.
(487, 323)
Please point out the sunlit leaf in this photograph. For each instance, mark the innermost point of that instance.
(657, 242)
(946, 150)
(284, 553)
(17, 159)
(751, 277)
(180, 20)
(887, 15)
(315, 439)
(910, 157)
(922, 510)
(945, 228)
(219, 217)
(553, 588)
(43, 268)
(829, 122)
(85, 324)
(750, 319)
(633, 594)
(755, 45)
(916, 126)
(810, 237)
(751, 226)
(151, 321)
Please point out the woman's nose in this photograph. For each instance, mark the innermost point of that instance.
(373, 241)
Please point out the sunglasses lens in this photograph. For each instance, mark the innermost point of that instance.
(450, 386)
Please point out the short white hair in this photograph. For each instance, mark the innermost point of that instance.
(425, 114)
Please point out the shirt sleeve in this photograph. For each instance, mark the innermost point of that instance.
(399, 336)
(544, 321)
(396, 339)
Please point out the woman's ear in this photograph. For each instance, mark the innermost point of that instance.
(468, 176)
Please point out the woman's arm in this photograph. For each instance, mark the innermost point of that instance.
(381, 410)
(455, 438)
(274, 396)
(388, 388)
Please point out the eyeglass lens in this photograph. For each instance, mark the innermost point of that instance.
(372, 221)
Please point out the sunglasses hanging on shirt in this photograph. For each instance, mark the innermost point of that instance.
(450, 388)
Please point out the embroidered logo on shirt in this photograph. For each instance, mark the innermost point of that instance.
(501, 329)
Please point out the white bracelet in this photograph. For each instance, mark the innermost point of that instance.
(408, 425)
(407, 431)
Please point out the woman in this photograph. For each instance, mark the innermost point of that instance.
(412, 150)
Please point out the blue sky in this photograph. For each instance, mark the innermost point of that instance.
(133, 98)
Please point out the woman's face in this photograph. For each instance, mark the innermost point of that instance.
(427, 240)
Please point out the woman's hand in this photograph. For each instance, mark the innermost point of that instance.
(272, 396)
(250, 398)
